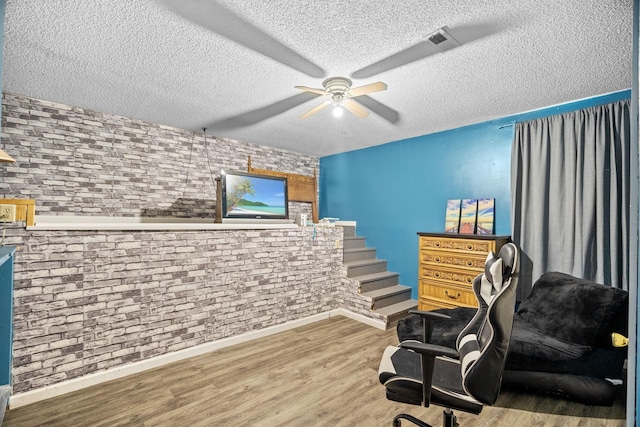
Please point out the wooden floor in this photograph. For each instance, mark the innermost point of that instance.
(324, 374)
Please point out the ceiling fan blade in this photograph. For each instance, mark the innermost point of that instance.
(312, 90)
(438, 41)
(366, 89)
(215, 17)
(387, 113)
(355, 108)
(258, 115)
(316, 109)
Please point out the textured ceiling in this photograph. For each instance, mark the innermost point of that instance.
(231, 66)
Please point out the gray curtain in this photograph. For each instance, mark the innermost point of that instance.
(570, 195)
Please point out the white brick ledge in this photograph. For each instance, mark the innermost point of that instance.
(98, 223)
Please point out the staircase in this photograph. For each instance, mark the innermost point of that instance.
(388, 298)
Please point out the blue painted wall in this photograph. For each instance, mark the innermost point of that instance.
(398, 189)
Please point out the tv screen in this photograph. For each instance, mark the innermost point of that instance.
(246, 195)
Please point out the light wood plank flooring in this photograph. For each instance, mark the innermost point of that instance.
(324, 374)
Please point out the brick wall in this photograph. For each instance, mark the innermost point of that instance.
(74, 161)
(87, 301)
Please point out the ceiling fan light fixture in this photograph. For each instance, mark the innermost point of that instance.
(334, 85)
(341, 95)
(338, 101)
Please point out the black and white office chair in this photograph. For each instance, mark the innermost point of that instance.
(465, 379)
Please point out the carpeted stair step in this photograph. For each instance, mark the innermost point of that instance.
(348, 230)
(372, 282)
(367, 266)
(358, 254)
(388, 296)
(352, 242)
(397, 311)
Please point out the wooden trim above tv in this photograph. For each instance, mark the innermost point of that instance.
(301, 188)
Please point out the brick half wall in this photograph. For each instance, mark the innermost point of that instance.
(85, 302)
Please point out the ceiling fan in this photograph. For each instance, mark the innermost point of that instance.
(341, 94)
(218, 18)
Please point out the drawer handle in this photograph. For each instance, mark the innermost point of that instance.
(436, 244)
(469, 279)
(436, 259)
(469, 246)
(446, 292)
(436, 274)
(469, 263)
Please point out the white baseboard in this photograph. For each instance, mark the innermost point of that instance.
(376, 323)
(26, 398)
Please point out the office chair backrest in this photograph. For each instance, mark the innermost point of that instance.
(484, 342)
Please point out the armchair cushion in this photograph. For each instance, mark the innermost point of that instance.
(535, 344)
(586, 316)
(564, 326)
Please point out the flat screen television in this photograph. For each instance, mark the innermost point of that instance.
(247, 196)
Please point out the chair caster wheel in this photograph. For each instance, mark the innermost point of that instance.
(411, 419)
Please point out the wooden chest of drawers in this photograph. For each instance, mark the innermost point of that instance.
(447, 266)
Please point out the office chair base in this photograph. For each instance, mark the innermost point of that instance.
(448, 420)
(414, 420)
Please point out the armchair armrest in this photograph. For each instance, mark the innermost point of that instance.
(428, 318)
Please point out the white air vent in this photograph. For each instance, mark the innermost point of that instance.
(437, 38)
(442, 40)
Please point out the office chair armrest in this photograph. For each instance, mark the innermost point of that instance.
(428, 353)
(428, 317)
(429, 314)
(429, 350)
